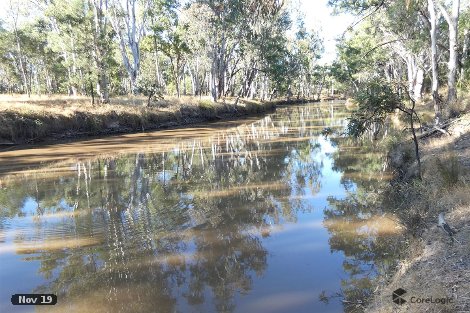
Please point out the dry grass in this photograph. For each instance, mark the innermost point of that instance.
(441, 269)
(436, 266)
(66, 105)
(24, 119)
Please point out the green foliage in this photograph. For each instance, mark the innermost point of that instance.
(354, 6)
(376, 100)
(150, 89)
(80, 46)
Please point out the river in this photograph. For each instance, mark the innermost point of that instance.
(258, 215)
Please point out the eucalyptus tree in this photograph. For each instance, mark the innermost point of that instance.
(169, 36)
(239, 48)
(401, 25)
(465, 34)
(70, 36)
(451, 15)
(264, 43)
(80, 35)
(362, 58)
(14, 15)
(236, 34)
(102, 40)
(33, 67)
(222, 38)
(306, 50)
(9, 79)
(197, 18)
(403, 30)
(128, 19)
(434, 61)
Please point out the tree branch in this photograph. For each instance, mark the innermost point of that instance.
(383, 44)
(379, 6)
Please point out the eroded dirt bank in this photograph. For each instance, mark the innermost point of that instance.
(36, 123)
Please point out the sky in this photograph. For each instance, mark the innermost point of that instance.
(317, 14)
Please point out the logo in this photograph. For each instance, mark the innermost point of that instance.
(397, 296)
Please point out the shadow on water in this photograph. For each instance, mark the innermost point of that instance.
(259, 217)
(365, 231)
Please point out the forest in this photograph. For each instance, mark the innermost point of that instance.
(415, 48)
(243, 48)
(238, 48)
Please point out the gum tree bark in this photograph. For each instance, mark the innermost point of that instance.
(452, 19)
(19, 50)
(129, 31)
(465, 51)
(434, 68)
(101, 47)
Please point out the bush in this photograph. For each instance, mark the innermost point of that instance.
(150, 89)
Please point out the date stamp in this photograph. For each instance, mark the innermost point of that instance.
(33, 299)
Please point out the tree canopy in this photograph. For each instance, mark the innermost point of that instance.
(114, 47)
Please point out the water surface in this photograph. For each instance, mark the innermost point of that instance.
(262, 215)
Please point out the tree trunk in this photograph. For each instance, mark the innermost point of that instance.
(22, 65)
(184, 80)
(74, 65)
(102, 86)
(465, 52)
(101, 48)
(176, 66)
(453, 21)
(434, 69)
(193, 81)
(418, 87)
(415, 76)
(92, 94)
(131, 41)
(37, 84)
(212, 83)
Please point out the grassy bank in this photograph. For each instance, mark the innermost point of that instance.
(27, 120)
(435, 265)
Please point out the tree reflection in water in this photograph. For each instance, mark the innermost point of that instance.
(183, 228)
(364, 231)
(172, 229)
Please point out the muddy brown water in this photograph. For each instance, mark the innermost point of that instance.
(259, 215)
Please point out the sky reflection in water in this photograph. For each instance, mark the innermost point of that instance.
(254, 217)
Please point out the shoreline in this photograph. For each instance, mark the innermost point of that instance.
(433, 264)
(23, 127)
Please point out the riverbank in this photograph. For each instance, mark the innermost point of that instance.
(435, 265)
(34, 120)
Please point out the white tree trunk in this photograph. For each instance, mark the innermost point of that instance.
(129, 31)
(465, 51)
(418, 87)
(434, 69)
(18, 47)
(101, 48)
(453, 21)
